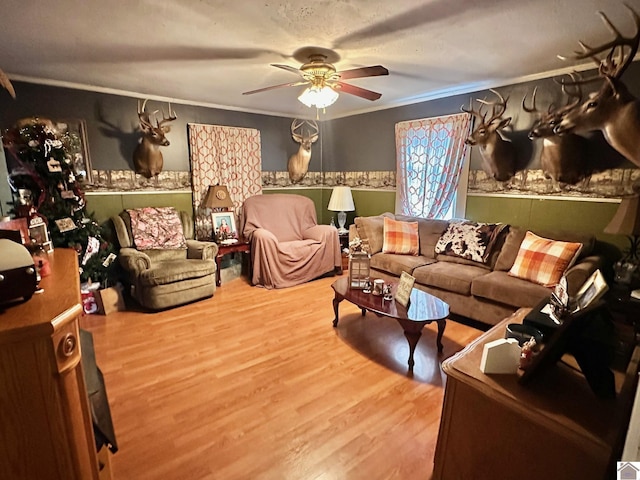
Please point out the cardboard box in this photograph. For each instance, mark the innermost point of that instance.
(110, 300)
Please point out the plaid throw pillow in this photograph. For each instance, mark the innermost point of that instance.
(400, 237)
(544, 261)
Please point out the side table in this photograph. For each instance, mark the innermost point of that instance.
(241, 246)
(624, 308)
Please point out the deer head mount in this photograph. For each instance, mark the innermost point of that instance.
(299, 162)
(147, 157)
(497, 151)
(612, 109)
(562, 157)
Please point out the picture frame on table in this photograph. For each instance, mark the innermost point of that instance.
(223, 225)
(78, 147)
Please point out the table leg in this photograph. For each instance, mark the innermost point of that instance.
(336, 301)
(218, 280)
(364, 310)
(413, 338)
(441, 326)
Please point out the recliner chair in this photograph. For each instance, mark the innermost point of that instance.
(160, 278)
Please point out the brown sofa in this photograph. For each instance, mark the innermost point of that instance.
(482, 292)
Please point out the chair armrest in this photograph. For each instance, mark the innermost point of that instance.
(133, 260)
(319, 232)
(261, 235)
(201, 250)
(581, 271)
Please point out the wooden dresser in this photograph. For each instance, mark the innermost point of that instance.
(553, 428)
(45, 423)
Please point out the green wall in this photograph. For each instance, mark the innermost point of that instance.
(104, 206)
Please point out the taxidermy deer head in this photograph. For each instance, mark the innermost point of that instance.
(299, 162)
(562, 157)
(5, 83)
(147, 157)
(613, 109)
(497, 151)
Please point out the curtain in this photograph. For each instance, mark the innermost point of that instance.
(430, 154)
(227, 156)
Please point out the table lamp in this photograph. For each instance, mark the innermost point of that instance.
(341, 201)
(626, 221)
(217, 198)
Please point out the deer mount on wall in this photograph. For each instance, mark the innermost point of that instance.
(299, 162)
(612, 109)
(497, 151)
(147, 157)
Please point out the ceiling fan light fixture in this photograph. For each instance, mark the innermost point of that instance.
(318, 96)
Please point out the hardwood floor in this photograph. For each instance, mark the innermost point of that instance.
(257, 384)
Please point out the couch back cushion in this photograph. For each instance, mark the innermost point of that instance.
(371, 229)
(157, 228)
(514, 238)
(400, 237)
(470, 240)
(542, 260)
(429, 231)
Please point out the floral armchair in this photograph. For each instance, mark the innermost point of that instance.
(164, 265)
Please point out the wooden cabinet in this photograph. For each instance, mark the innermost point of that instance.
(555, 427)
(45, 422)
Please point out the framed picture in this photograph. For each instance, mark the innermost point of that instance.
(223, 225)
(403, 293)
(75, 132)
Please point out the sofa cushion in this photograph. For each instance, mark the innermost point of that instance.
(514, 238)
(177, 270)
(469, 240)
(429, 231)
(371, 229)
(499, 286)
(156, 228)
(400, 237)
(396, 264)
(542, 260)
(449, 276)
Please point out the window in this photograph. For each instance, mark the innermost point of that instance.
(432, 166)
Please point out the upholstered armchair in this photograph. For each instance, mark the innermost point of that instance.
(288, 247)
(165, 267)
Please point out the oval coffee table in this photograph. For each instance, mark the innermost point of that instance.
(423, 309)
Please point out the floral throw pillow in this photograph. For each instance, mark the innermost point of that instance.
(157, 228)
(469, 240)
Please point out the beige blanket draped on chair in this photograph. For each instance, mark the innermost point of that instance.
(288, 247)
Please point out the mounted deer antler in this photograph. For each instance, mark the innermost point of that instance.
(6, 83)
(612, 109)
(498, 153)
(299, 162)
(147, 157)
(562, 157)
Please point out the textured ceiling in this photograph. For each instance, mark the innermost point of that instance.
(208, 52)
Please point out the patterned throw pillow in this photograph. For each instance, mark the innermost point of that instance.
(470, 240)
(544, 261)
(157, 228)
(400, 237)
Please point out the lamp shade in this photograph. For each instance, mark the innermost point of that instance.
(626, 220)
(318, 96)
(217, 197)
(341, 200)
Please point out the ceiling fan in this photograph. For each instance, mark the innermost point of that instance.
(324, 81)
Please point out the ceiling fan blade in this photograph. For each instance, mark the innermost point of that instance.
(357, 91)
(288, 68)
(363, 72)
(290, 84)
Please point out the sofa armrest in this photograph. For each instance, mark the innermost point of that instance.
(201, 250)
(133, 260)
(581, 271)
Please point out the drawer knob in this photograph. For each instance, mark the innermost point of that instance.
(68, 344)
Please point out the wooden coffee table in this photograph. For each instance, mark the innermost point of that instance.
(423, 309)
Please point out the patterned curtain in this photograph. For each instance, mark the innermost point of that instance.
(227, 156)
(430, 155)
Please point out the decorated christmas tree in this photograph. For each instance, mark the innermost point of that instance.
(41, 162)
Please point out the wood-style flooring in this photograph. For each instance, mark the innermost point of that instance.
(257, 384)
